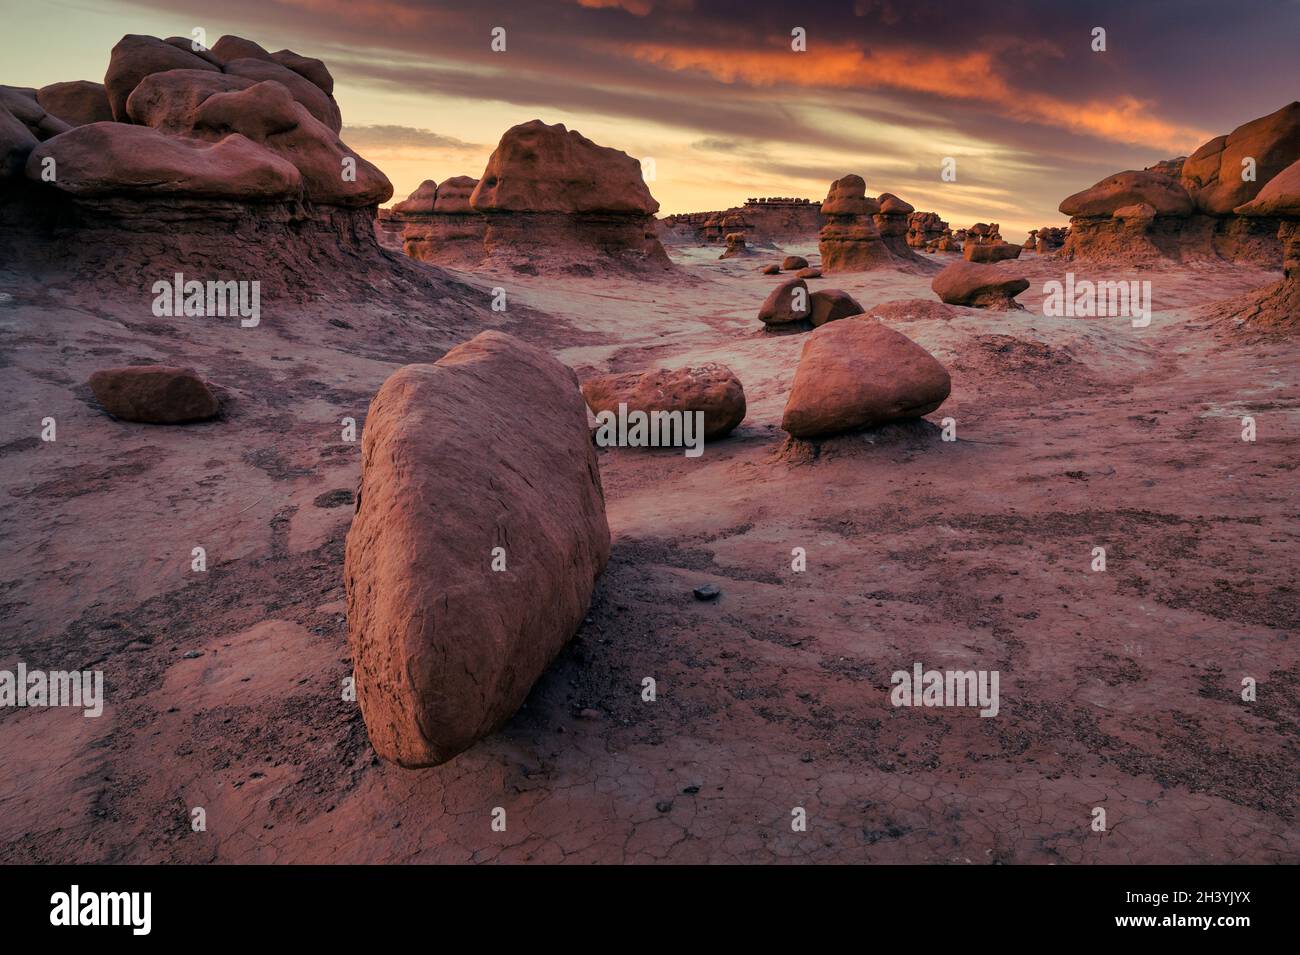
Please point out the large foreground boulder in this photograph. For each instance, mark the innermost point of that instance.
(712, 388)
(979, 286)
(154, 394)
(857, 374)
(488, 448)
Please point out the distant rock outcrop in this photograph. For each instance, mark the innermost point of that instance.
(435, 223)
(762, 220)
(556, 201)
(925, 229)
(1185, 209)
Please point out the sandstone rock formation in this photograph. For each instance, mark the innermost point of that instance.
(438, 224)
(811, 272)
(154, 394)
(764, 221)
(985, 252)
(831, 304)
(892, 223)
(77, 102)
(792, 263)
(445, 648)
(979, 286)
(786, 304)
(197, 166)
(925, 229)
(712, 388)
(1276, 307)
(850, 241)
(857, 374)
(554, 200)
(1184, 209)
(735, 246)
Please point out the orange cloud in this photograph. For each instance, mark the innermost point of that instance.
(971, 76)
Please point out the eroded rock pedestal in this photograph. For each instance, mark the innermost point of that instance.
(555, 201)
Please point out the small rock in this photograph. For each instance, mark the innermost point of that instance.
(706, 592)
(664, 805)
(192, 654)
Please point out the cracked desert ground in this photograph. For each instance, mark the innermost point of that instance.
(1118, 689)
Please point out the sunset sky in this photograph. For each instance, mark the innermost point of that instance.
(714, 94)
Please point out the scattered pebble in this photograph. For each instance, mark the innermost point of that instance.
(706, 592)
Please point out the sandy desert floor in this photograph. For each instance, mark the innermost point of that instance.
(1118, 689)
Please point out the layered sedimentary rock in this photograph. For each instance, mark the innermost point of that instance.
(1276, 307)
(763, 220)
(892, 222)
(199, 167)
(556, 201)
(857, 374)
(436, 223)
(850, 241)
(1186, 209)
(458, 600)
(711, 388)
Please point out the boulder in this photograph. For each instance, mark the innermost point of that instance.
(1212, 175)
(979, 286)
(487, 448)
(102, 159)
(419, 202)
(809, 273)
(1163, 194)
(307, 66)
(859, 374)
(711, 388)
(1279, 197)
(154, 394)
(232, 47)
(167, 101)
(792, 263)
(269, 115)
(135, 57)
(16, 144)
(832, 303)
(788, 302)
(317, 102)
(773, 269)
(77, 102)
(22, 104)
